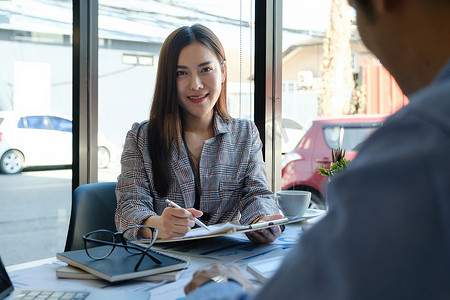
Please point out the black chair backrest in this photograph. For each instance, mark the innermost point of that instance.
(93, 207)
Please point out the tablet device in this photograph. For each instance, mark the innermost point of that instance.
(264, 269)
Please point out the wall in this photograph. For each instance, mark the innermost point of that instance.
(383, 95)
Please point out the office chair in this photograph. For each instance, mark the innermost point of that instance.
(93, 207)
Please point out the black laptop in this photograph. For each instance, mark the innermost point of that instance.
(7, 292)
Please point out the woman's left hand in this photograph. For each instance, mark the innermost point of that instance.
(268, 235)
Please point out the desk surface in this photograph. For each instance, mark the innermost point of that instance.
(235, 249)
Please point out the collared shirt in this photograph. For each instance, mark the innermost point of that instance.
(233, 179)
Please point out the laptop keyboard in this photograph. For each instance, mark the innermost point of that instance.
(51, 295)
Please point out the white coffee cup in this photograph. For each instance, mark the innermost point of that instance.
(293, 203)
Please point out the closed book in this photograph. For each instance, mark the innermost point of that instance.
(119, 265)
(70, 272)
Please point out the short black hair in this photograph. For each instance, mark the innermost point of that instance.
(366, 5)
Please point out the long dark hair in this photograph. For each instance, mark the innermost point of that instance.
(165, 120)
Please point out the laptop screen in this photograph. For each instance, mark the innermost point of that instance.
(6, 286)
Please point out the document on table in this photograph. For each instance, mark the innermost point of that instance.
(222, 229)
(214, 229)
(230, 228)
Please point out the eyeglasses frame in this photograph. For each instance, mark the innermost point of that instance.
(124, 244)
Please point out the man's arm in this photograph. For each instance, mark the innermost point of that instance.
(219, 291)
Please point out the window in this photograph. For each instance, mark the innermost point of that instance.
(38, 78)
(346, 137)
(36, 122)
(35, 82)
(60, 124)
(325, 58)
(136, 59)
(128, 62)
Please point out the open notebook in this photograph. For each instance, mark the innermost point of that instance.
(230, 228)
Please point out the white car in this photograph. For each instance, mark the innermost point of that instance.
(39, 140)
(291, 133)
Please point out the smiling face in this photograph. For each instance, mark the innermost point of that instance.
(199, 80)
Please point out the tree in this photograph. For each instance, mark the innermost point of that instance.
(337, 76)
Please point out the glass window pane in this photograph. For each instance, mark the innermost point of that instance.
(328, 79)
(332, 136)
(35, 83)
(21, 123)
(353, 137)
(130, 40)
(61, 124)
(37, 122)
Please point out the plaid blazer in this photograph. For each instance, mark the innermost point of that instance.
(233, 179)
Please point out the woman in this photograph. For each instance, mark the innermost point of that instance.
(191, 151)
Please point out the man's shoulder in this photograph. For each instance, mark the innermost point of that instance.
(417, 129)
(430, 105)
(436, 96)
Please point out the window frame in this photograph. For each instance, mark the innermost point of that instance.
(85, 92)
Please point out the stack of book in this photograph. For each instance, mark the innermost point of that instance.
(119, 266)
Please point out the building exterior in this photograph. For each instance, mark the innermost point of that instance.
(302, 65)
(36, 58)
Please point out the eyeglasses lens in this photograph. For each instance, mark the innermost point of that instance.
(95, 246)
(147, 235)
(144, 236)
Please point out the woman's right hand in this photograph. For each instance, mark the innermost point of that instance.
(174, 222)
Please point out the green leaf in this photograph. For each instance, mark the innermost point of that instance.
(339, 163)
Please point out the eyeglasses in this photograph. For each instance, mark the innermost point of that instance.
(104, 237)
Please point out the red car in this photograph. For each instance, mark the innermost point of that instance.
(299, 167)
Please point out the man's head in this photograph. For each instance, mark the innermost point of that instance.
(409, 37)
(366, 5)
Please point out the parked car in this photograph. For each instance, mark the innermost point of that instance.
(39, 140)
(299, 167)
(291, 132)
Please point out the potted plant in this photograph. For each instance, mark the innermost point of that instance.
(338, 164)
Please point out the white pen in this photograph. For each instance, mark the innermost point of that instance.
(269, 223)
(197, 221)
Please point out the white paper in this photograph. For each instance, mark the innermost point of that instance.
(216, 228)
(232, 227)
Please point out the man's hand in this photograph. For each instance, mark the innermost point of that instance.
(232, 272)
(268, 235)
